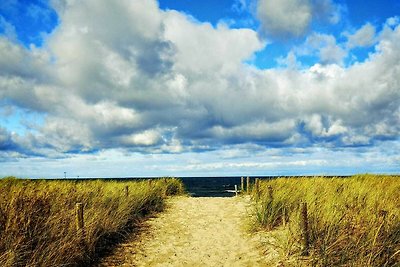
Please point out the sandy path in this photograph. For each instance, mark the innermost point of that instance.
(194, 232)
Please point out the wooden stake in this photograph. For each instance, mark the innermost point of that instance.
(257, 187)
(80, 226)
(284, 216)
(305, 233)
(270, 193)
(236, 190)
(79, 216)
(242, 183)
(248, 185)
(126, 191)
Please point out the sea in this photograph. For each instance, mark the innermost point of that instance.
(213, 186)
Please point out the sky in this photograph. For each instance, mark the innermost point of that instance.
(99, 88)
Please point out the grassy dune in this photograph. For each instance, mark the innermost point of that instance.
(352, 221)
(37, 218)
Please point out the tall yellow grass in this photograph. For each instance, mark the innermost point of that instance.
(353, 221)
(37, 218)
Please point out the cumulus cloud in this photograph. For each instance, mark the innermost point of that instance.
(325, 47)
(289, 61)
(8, 29)
(393, 21)
(208, 50)
(365, 36)
(323, 127)
(292, 18)
(255, 131)
(288, 17)
(128, 75)
(16, 61)
(146, 138)
(6, 142)
(327, 10)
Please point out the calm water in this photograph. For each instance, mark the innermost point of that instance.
(212, 186)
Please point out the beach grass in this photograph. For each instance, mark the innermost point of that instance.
(37, 217)
(352, 221)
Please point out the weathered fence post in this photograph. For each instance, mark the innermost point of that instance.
(270, 193)
(242, 184)
(257, 188)
(284, 216)
(248, 184)
(79, 216)
(80, 226)
(236, 190)
(126, 191)
(304, 226)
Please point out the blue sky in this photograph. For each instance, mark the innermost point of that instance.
(192, 88)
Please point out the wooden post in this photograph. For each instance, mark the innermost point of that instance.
(80, 226)
(236, 190)
(270, 193)
(257, 187)
(248, 185)
(304, 226)
(126, 191)
(284, 216)
(242, 183)
(79, 216)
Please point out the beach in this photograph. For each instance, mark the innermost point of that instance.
(206, 231)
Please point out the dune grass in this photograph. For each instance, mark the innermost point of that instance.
(37, 218)
(352, 221)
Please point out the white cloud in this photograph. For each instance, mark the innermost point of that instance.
(315, 124)
(173, 146)
(327, 10)
(16, 61)
(365, 36)
(8, 29)
(324, 46)
(5, 139)
(63, 135)
(393, 21)
(284, 17)
(201, 48)
(146, 138)
(289, 61)
(287, 18)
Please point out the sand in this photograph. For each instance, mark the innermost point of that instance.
(195, 232)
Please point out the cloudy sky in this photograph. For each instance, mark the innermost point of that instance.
(192, 88)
